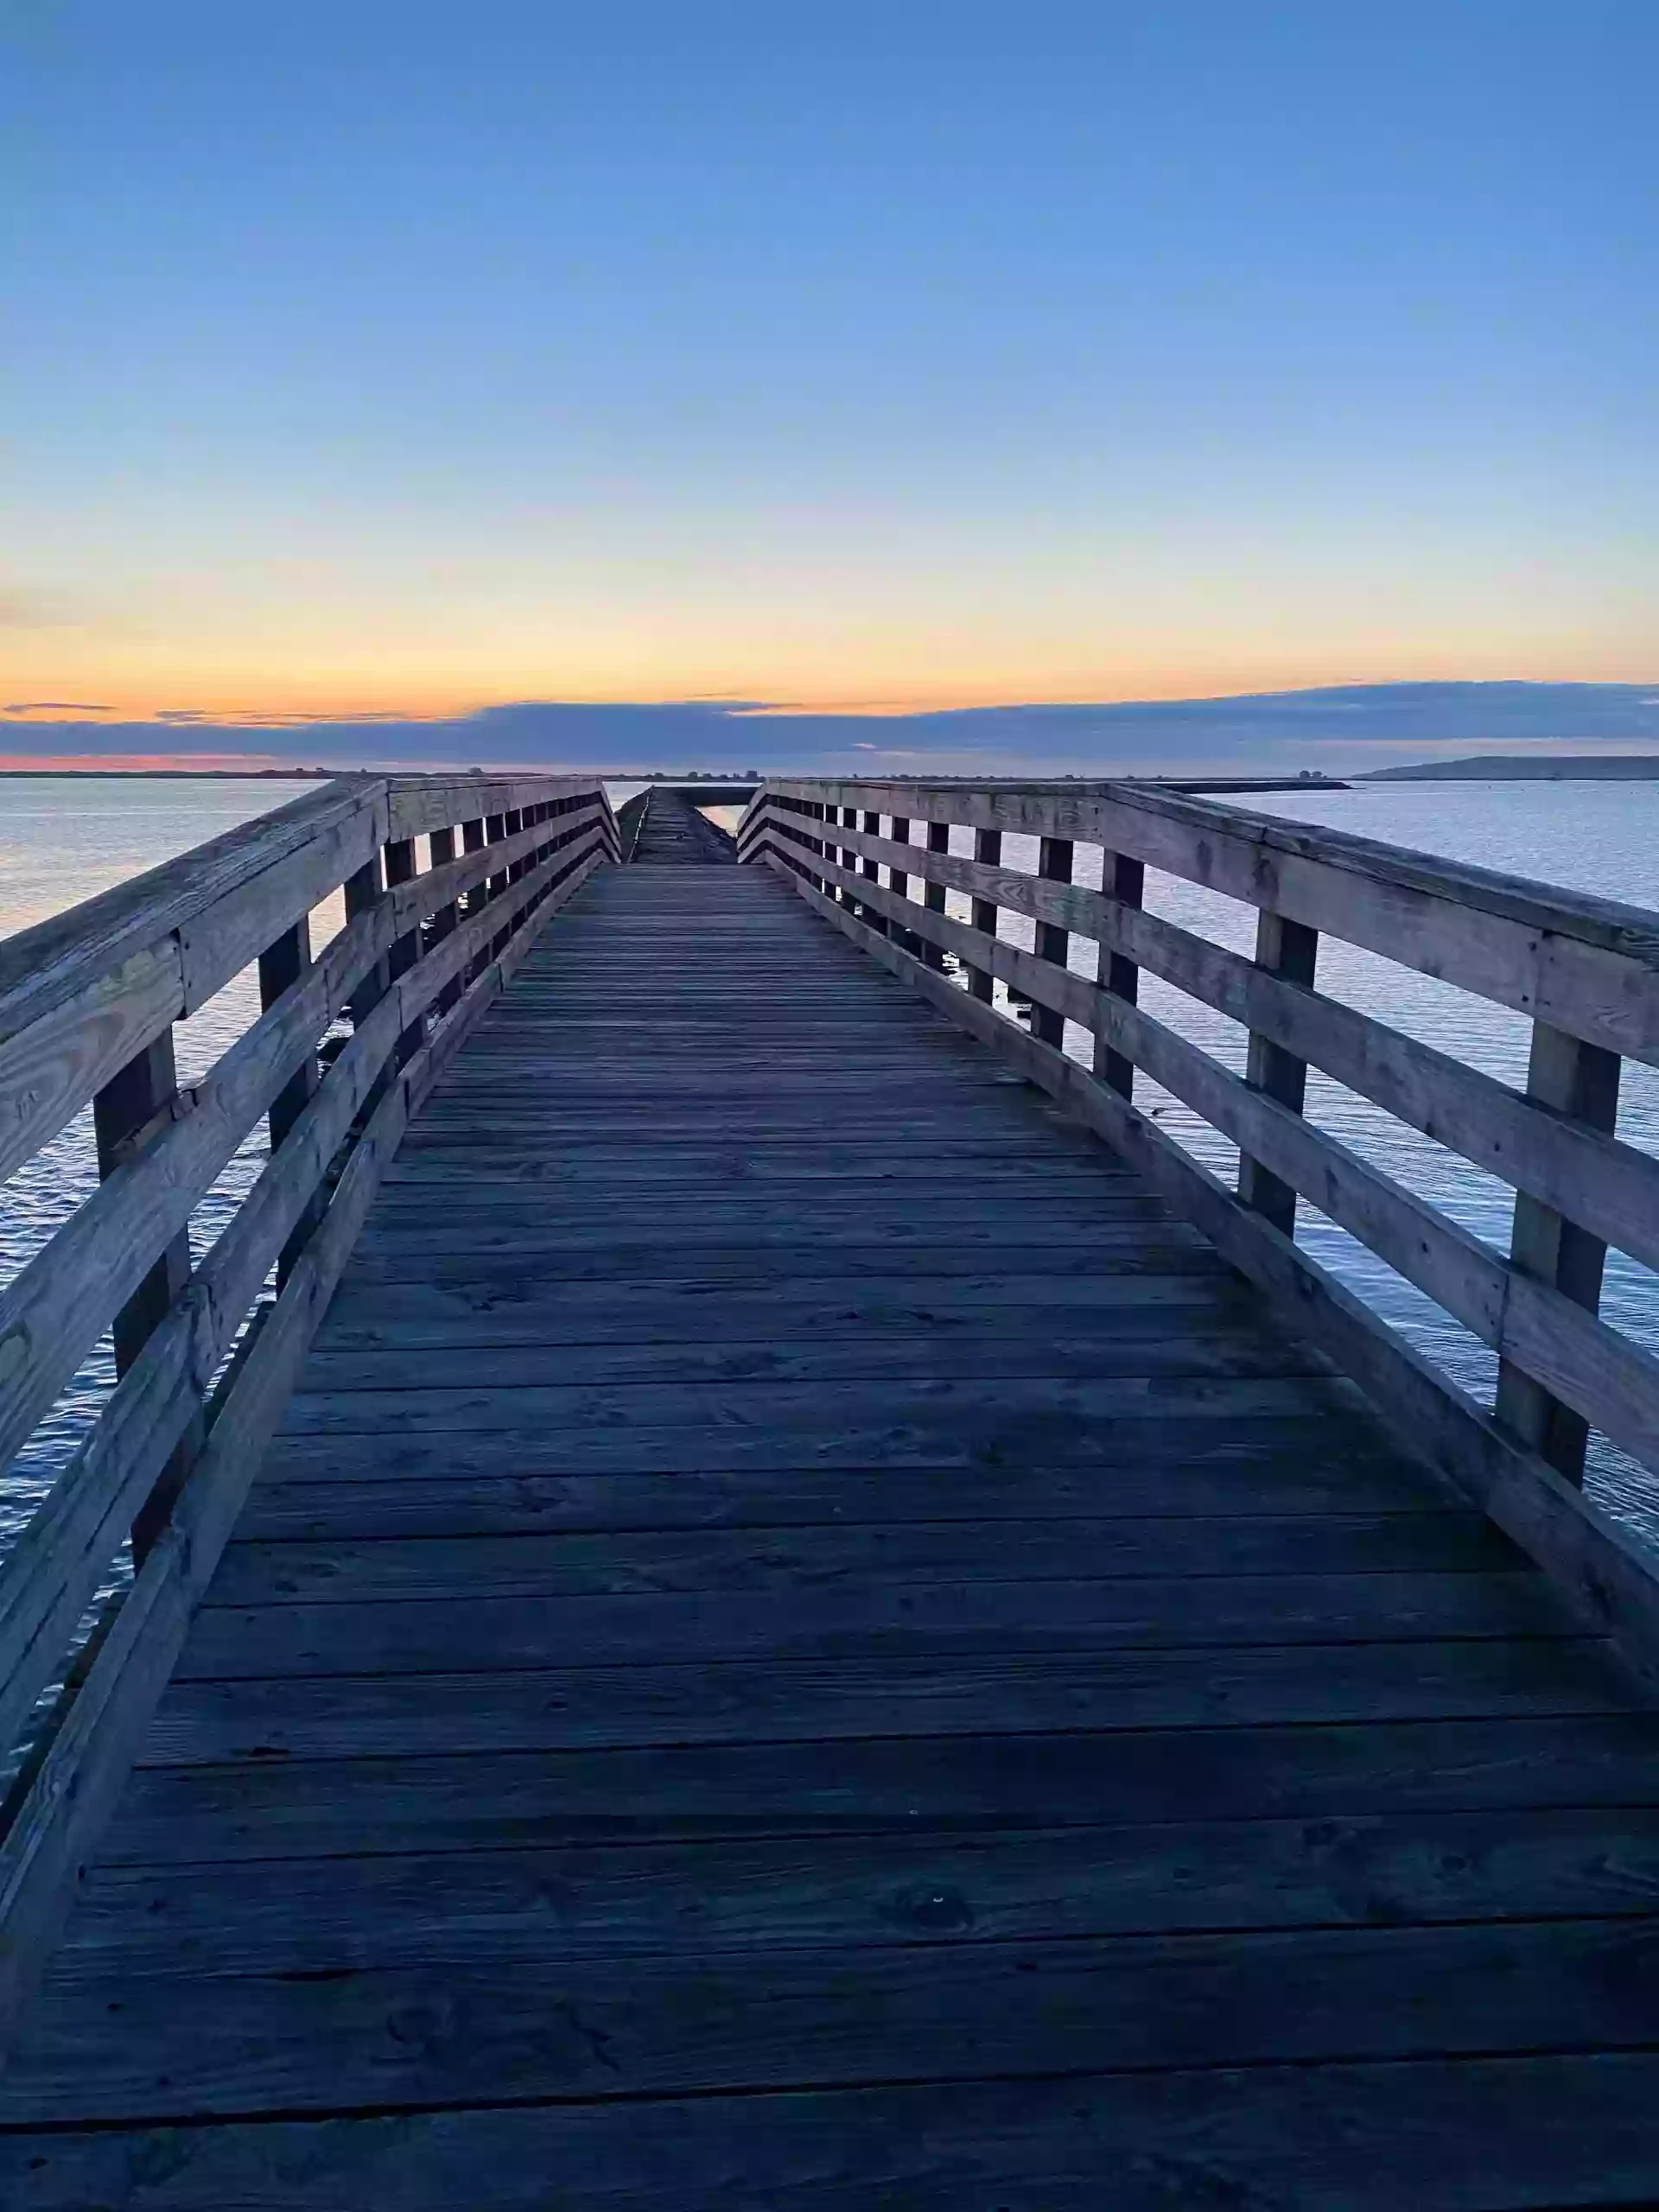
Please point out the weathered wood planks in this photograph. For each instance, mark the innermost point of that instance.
(808, 1605)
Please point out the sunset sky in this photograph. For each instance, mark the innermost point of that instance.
(418, 358)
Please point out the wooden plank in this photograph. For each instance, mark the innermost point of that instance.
(568, 1907)
(296, 1719)
(1108, 1223)
(481, 1631)
(409, 1318)
(1564, 2129)
(496, 2031)
(1156, 1343)
(270, 1810)
(1175, 1250)
(1288, 1467)
(644, 1563)
(994, 1406)
(1007, 1430)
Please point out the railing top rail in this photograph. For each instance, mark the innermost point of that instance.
(82, 991)
(1584, 965)
(55, 957)
(1096, 814)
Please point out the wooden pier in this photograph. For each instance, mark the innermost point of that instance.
(785, 1601)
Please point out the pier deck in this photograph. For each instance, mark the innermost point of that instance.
(802, 1641)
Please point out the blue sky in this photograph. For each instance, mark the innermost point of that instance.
(418, 358)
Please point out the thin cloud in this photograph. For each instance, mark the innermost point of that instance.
(55, 707)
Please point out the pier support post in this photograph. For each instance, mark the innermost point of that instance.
(136, 1101)
(938, 841)
(1125, 881)
(281, 965)
(1054, 864)
(1578, 1081)
(1290, 949)
(988, 849)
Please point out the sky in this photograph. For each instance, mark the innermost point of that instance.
(433, 363)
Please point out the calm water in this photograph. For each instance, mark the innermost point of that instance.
(59, 843)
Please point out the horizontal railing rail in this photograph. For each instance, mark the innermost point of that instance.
(1585, 971)
(205, 1353)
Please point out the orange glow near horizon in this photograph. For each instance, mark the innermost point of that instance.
(272, 707)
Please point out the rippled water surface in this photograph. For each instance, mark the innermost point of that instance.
(62, 841)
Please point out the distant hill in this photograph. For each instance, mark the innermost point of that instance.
(1525, 768)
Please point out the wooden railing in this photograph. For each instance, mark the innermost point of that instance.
(87, 1005)
(1585, 971)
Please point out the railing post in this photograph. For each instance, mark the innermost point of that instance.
(938, 841)
(871, 870)
(1579, 1083)
(364, 889)
(136, 1101)
(1054, 864)
(1125, 881)
(473, 838)
(281, 965)
(1289, 949)
(849, 859)
(495, 828)
(988, 849)
(446, 920)
(899, 881)
(812, 810)
(406, 950)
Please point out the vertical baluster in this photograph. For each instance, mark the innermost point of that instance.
(364, 890)
(406, 949)
(1054, 864)
(1580, 1082)
(847, 856)
(871, 870)
(281, 965)
(988, 849)
(1124, 881)
(446, 920)
(899, 881)
(473, 838)
(1290, 949)
(495, 827)
(938, 841)
(138, 1099)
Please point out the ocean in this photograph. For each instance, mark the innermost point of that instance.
(62, 841)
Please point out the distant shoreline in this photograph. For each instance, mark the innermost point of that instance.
(1523, 768)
